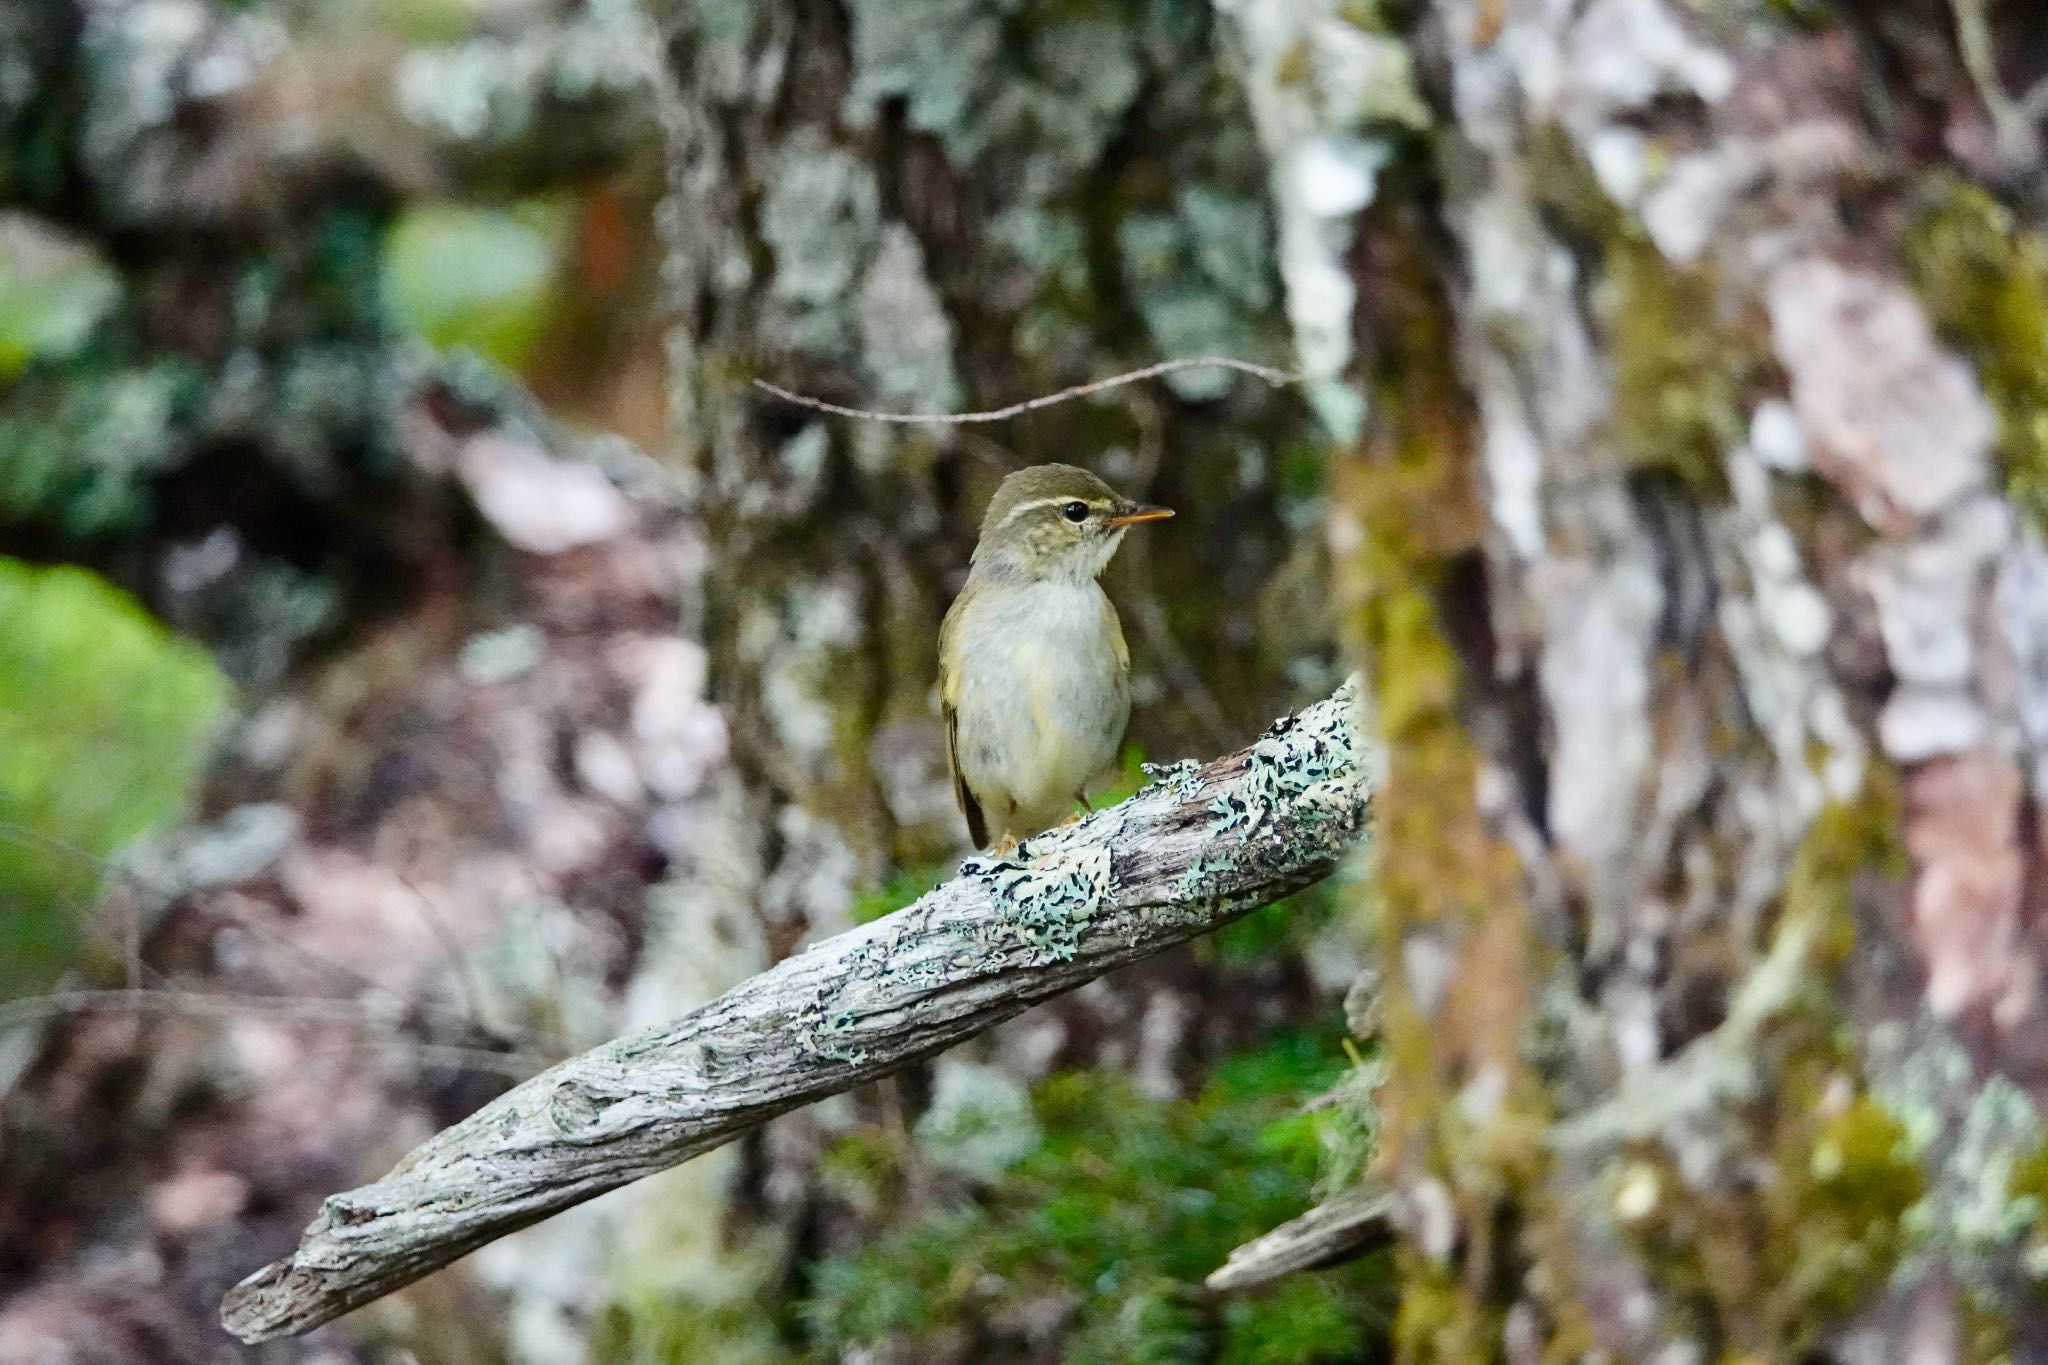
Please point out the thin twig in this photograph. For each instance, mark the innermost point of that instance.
(200, 1005)
(134, 969)
(451, 952)
(1276, 377)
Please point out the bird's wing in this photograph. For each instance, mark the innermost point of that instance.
(977, 824)
(1116, 641)
(949, 697)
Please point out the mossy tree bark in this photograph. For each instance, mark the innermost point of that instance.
(1696, 557)
(931, 207)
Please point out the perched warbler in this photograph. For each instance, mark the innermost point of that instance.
(1034, 675)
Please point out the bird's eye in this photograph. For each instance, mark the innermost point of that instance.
(1075, 511)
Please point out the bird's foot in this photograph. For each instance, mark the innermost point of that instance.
(1086, 810)
(1005, 846)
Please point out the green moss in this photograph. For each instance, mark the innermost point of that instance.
(1848, 839)
(1124, 1207)
(2027, 1188)
(899, 891)
(718, 1319)
(104, 719)
(1441, 879)
(1846, 1229)
(1686, 366)
(410, 21)
(1984, 280)
(1684, 369)
(1440, 1319)
(1284, 926)
(1570, 197)
(1304, 1317)
(1766, 1269)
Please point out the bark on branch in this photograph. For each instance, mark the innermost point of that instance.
(1200, 847)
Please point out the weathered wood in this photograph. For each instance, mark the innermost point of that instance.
(1333, 1231)
(1195, 850)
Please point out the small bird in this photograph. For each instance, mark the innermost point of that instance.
(1034, 675)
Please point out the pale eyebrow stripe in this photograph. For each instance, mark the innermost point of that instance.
(1037, 503)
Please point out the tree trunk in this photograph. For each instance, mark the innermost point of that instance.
(1694, 552)
(935, 206)
(947, 206)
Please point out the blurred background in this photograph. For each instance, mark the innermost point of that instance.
(420, 659)
(424, 654)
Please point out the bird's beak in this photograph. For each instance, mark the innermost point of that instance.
(1132, 515)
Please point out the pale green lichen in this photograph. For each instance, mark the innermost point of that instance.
(1182, 780)
(1202, 279)
(497, 656)
(1046, 89)
(906, 337)
(1049, 900)
(820, 216)
(1295, 756)
(54, 293)
(500, 87)
(1333, 97)
(1306, 766)
(1983, 1207)
(2000, 1125)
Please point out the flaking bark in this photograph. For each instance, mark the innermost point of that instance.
(1197, 849)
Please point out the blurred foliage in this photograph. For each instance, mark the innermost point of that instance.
(1109, 1226)
(53, 293)
(476, 278)
(1089, 1248)
(900, 890)
(104, 719)
(83, 441)
(1286, 925)
(414, 22)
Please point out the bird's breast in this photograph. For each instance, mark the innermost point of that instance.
(1043, 693)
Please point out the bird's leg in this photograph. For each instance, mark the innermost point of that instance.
(1005, 846)
(1081, 800)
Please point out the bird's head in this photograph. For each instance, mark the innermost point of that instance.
(1056, 521)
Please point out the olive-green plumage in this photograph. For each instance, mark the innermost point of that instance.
(1034, 676)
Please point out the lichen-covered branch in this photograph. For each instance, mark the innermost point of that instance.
(1188, 854)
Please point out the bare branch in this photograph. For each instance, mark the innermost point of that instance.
(1200, 847)
(1330, 1232)
(2012, 120)
(1276, 377)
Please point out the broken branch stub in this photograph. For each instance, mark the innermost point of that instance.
(1201, 846)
